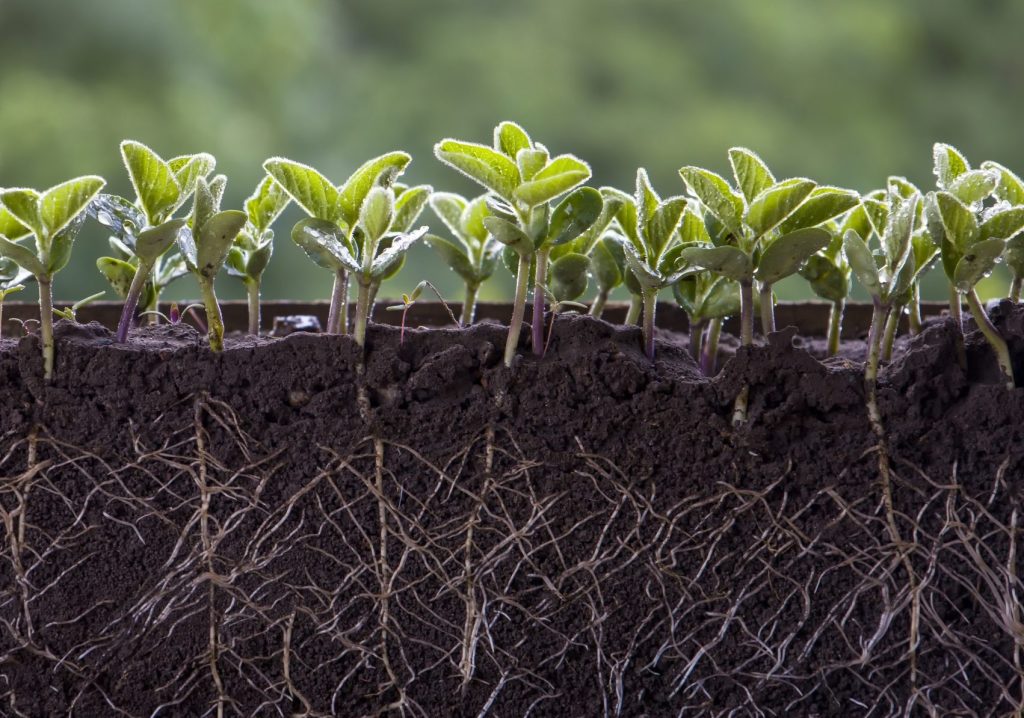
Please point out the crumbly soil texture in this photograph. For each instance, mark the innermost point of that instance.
(296, 528)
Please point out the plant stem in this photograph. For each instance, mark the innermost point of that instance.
(469, 304)
(835, 326)
(337, 317)
(767, 310)
(746, 313)
(1, 316)
(958, 326)
(214, 320)
(992, 334)
(650, 307)
(709, 354)
(46, 323)
(518, 308)
(1015, 286)
(915, 310)
(252, 288)
(597, 308)
(538, 302)
(362, 311)
(891, 327)
(131, 301)
(636, 304)
(696, 338)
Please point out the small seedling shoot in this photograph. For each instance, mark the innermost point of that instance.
(254, 245)
(525, 181)
(408, 300)
(53, 219)
(474, 254)
(71, 313)
(335, 235)
(204, 244)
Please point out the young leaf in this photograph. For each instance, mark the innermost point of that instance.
(23, 206)
(448, 207)
(380, 171)
(607, 260)
(896, 240)
(119, 273)
(310, 189)
(61, 243)
(187, 171)
(825, 278)
(977, 263)
(508, 234)
(773, 205)
(784, 255)
(385, 262)
(948, 164)
(9, 226)
(408, 207)
(487, 166)
(863, 263)
(569, 276)
(22, 256)
(153, 242)
(973, 186)
(117, 214)
(752, 175)
(377, 212)
(715, 193)
(638, 265)
(726, 260)
(153, 179)
(214, 241)
(574, 215)
(823, 204)
(453, 255)
(510, 138)
(722, 300)
(1010, 187)
(663, 223)
(324, 243)
(958, 221)
(530, 162)
(559, 176)
(60, 205)
(266, 204)
(1002, 224)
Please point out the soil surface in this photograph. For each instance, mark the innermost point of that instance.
(294, 528)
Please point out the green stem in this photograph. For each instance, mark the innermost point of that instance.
(878, 321)
(650, 307)
(709, 354)
(214, 320)
(540, 281)
(636, 304)
(767, 310)
(1, 316)
(835, 326)
(131, 301)
(746, 313)
(696, 338)
(46, 323)
(469, 304)
(1015, 287)
(958, 326)
(891, 327)
(597, 308)
(252, 287)
(915, 310)
(518, 308)
(994, 338)
(362, 311)
(337, 316)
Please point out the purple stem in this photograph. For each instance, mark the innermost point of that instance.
(131, 301)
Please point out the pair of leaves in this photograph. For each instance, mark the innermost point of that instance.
(473, 256)
(888, 281)
(162, 186)
(325, 243)
(704, 296)
(205, 244)
(970, 250)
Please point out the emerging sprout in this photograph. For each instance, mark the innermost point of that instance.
(205, 243)
(525, 181)
(475, 253)
(71, 313)
(254, 245)
(12, 278)
(53, 218)
(143, 231)
(410, 299)
(360, 227)
(175, 314)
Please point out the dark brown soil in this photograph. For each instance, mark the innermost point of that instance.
(285, 529)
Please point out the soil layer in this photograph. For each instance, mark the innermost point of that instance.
(295, 528)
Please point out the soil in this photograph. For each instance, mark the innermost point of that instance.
(294, 528)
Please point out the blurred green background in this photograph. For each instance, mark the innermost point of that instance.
(844, 92)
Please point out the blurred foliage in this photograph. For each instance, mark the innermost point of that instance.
(843, 92)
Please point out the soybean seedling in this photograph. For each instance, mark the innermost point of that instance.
(332, 236)
(175, 314)
(1009, 191)
(707, 300)
(474, 254)
(249, 256)
(143, 231)
(12, 279)
(573, 262)
(53, 218)
(526, 180)
(768, 232)
(204, 244)
(408, 300)
(71, 313)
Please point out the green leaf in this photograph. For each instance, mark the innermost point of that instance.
(216, 236)
(721, 300)
(259, 260)
(378, 210)
(715, 193)
(568, 276)
(448, 207)
(1015, 255)
(877, 213)
(626, 217)
(607, 260)
(752, 175)
(663, 223)
(1002, 224)
(858, 221)
(574, 215)
(379, 172)
(726, 260)
(408, 207)
(948, 164)
(958, 221)
(307, 187)
(510, 138)
(324, 243)
(951, 256)
(901, 186)
(773, 205)
(826, 279)
(23, 204)
(59, 253)
(118, 273)
(692, 229)
(973, 185)
(453, 255)
(784, 255)
(977, 263)
(558, 177)
(153, 242)
(530, 162)
(22, 256)
(1009, 188)
(863, 263)
(204, 205)
(484, 165)
(509, 234)
(266, 204)
(385, 264)
(153, 179)
(823, 204)
(187, 171)
(898, 233)
(60, 205)
(118, 215)
(9, 226)
(641, 269)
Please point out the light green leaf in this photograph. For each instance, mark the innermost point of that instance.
(1002, 224)
(958, 221)
(826, 279)
(646, 275)
(324, 243)
(898, 233)
(510, 138)
(453, 255)
(948, 164)
(187, 171)
(61, 205)
(692, 229)
(715, 193)
(487, 166)
(259, 260)
(823, 204)
(1015, 255)
(1010, 187)
(973, 185)
(23, 205)
(59, 253)
(378, 210)
(266, 204)
(568, 276)
(574, 215)
(784, 255)
(408, 207)
(863, 263)
(509, 234)
(607, 260)
(379, 172)
(773, 205)
(901, 187)
(386, 264)
(722, 300)
(558, 177)
(530, 162)
(153, 242)
(216, 236)
(626, 217)
(9, 226)
(877, 212)
(752, 175)
(726, 260)
(310, 189)
(118, 273)
(448, 207)
(663, 223)
(153, 179)
(22, 256)
(977, 263)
